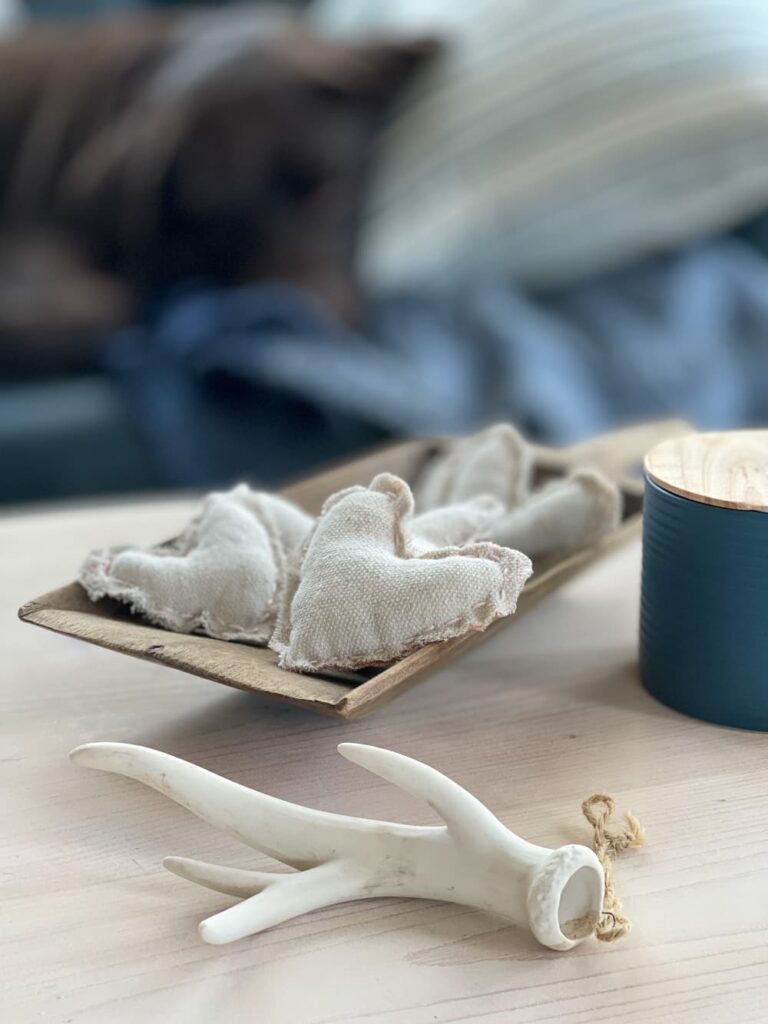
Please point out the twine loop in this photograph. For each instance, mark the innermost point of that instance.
(610, 839)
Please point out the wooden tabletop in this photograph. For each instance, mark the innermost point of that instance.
(92, 929)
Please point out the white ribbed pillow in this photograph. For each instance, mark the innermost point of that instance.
(555, 138)
(10, 15)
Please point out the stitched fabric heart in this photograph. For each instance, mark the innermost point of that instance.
(222, 576)
(563, 516)
(287, 525)
(452, 525)
(360, 598)
(495, 462)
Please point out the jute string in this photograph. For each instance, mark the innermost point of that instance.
(610, 839)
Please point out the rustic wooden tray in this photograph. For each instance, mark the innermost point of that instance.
(351, 695)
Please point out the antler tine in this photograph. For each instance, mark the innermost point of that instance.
(286, 898)
(231, 881)
(463, 813)
(266, 823)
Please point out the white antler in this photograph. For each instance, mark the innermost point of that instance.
(473, 859)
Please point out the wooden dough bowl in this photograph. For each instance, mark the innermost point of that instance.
(352, 695)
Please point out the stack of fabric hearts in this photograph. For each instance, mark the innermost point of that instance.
(378, 573)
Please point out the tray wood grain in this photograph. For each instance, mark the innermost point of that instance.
(350, 695)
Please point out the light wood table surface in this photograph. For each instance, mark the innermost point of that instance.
(92, 929)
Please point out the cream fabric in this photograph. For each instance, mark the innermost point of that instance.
(451, 525)
(495, 462)
(563, 516)
(287, 524)
(221, 577)
(359, 598)
(370, 580)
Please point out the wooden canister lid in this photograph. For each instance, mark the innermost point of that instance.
(727, 469)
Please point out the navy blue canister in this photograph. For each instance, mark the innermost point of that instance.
(704, 607)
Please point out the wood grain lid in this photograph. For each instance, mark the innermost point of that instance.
(727, 469)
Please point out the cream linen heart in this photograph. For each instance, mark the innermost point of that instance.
(358, 598)
(221, 576)
(496, 462)
(286, 523)
(563, 516)
(452, 525)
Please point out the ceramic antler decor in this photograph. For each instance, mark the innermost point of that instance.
(472, 859)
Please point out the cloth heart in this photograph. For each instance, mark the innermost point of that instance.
(222, 576)
(287, 525)
(360, 598)
(452, 525)
(496, 461)
(563, 516)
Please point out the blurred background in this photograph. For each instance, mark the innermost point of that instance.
(241, 240)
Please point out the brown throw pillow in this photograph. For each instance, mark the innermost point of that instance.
(230, 147)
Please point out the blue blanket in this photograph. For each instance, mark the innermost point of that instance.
(262, 381)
